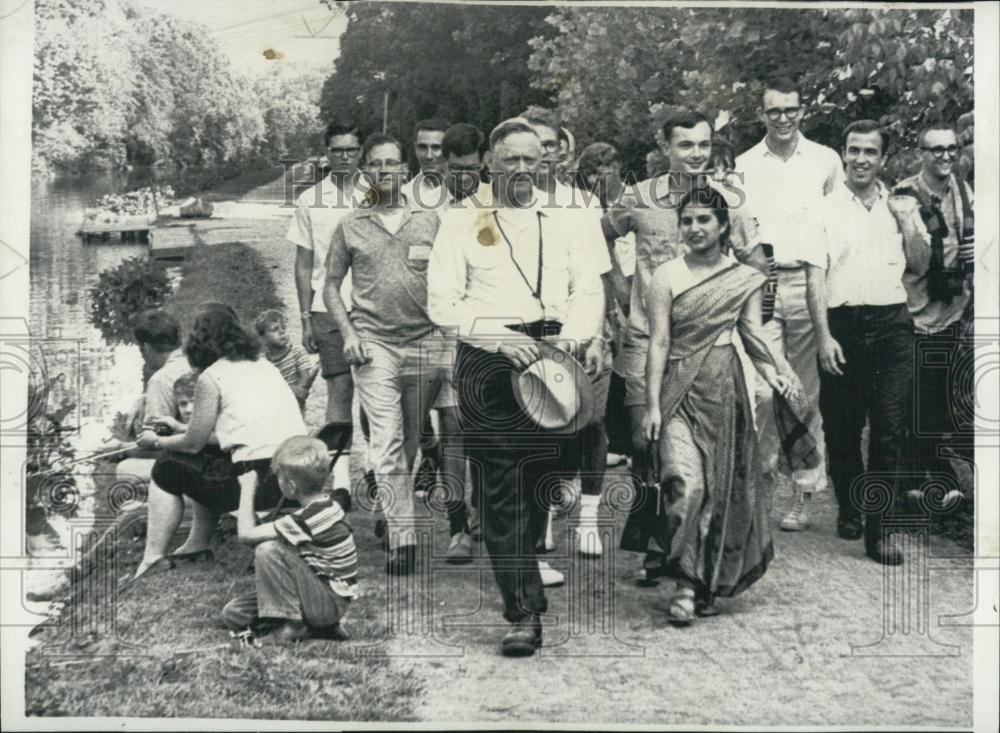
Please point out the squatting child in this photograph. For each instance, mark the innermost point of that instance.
(292, 361)
(306, 562)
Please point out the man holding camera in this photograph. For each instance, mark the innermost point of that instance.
(934, 211)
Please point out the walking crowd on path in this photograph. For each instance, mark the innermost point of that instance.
(519, 318)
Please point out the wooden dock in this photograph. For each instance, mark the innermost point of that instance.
(129, 229)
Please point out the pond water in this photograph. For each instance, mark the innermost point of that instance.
(101, 379)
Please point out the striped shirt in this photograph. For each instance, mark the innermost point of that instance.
(294, 364)
(325, 541)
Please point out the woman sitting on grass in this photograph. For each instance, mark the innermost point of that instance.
(246, 404)
(714, 529)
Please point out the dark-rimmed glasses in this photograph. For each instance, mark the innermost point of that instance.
(940, 151)
(775, 113)
(344, 152)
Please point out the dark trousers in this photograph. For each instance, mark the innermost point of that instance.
(876, 386)
(937, 395)
(616, 421)
(516, 467)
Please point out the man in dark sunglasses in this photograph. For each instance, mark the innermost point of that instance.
(786, 176)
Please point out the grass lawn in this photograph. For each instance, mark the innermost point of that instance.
(228, 273)
(130, 655)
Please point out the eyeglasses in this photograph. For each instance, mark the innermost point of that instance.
(344, 152)
(775, 114)
(939, 152)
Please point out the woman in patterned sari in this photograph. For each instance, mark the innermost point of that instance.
(712, 522)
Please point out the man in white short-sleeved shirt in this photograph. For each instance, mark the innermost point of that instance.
(785, 177)
(318, 212)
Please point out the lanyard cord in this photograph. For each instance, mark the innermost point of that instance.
(536, 292)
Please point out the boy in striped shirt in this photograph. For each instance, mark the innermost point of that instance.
(305, 563)
(292, 361)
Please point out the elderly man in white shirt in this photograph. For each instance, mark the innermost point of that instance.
(858, 305)
(785, 179)
(505, 276)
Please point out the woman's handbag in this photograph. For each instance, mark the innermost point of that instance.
(645, 520)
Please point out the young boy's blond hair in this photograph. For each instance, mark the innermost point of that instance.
(304, 461)
(267, 319)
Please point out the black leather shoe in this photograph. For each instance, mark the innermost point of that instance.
(524, 637)
(402, 560)
(849, 529)
(382, 533)
(884, 552)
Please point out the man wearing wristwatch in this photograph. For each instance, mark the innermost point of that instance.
(317, 213)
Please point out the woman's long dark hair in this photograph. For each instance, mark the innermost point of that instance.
(706, 197)
(217, 334)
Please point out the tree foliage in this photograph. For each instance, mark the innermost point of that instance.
(611, 69)
(460, 62)
(118, 84)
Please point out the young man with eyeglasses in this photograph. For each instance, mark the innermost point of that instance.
(648, 209)
(317, 213)
(389, 340)
(506, 276)
(582, 203)
(858, 305)
(934, 211)
(785, 177)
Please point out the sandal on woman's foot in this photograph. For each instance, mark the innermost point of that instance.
(205, 554)
(681, 609)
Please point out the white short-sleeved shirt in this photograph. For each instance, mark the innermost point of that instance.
(785, 194)
(257, 409)
(318, 211)
(861, 250)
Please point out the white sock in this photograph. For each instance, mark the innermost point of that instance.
(550, 541)
(342, 472)
(588, 509)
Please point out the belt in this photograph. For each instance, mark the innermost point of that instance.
(863, 309)
(789, 268)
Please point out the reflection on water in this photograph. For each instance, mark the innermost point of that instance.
(100, 378)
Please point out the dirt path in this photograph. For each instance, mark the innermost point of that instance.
(780, 654)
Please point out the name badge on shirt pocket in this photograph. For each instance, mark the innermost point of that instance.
(419, 252)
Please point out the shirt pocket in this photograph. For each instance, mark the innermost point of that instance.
(488, 257)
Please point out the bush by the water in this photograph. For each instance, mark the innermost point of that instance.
(122, 292)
